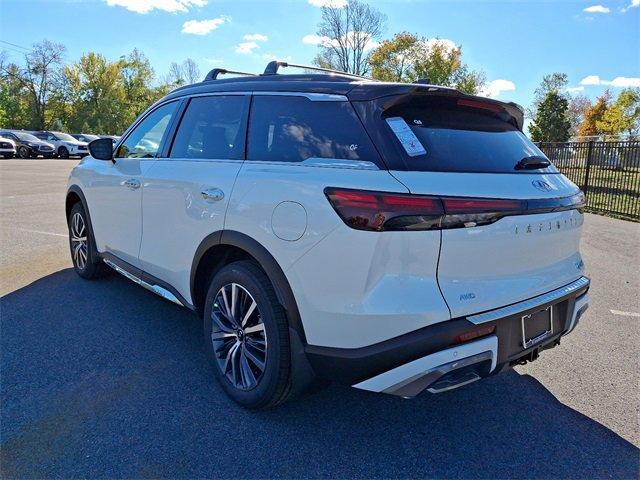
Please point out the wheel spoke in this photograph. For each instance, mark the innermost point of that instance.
(222, 335)
(246, 369)
(248, 314)
(220, 324)
(256, 328)
(256, 361)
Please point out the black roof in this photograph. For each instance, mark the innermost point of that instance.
(356, 88)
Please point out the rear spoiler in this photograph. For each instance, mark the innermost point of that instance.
(394, 91)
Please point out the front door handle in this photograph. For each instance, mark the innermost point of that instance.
(212, 194)
(132, 183)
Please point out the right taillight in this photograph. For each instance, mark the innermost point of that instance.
(381, 211)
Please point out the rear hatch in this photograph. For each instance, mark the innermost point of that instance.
(512, 223)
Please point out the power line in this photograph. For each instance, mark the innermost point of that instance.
(14, 45)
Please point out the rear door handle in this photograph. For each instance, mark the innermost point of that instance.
(212, 194)
(132, 183)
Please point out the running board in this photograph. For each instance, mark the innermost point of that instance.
(157, 289)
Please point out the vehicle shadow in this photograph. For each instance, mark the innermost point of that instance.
(103, 379)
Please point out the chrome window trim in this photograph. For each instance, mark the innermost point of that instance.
(538, 301)
(315, 162)
(314, 97)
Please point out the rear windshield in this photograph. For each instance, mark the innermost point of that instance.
(454, 135)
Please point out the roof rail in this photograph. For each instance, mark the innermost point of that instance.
(213, 74)
(273, 66)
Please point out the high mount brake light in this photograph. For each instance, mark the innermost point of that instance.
(380, 211)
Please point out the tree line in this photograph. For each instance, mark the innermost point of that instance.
(97, 95)
(92, 95)
(558, 116)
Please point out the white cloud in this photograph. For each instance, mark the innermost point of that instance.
(272, 56)
(202, 27)
(312, 39)
(328, 3)
(624, 82)
(145, 6)
(445, 42)
(575, 89)
(255, 37)
(246, 47)
(597, 9)
(213, 61)
(495, 87)
(316, 40)
(618, 82)
(590, 80)
(633, 4)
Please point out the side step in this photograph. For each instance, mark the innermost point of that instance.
(157, 289)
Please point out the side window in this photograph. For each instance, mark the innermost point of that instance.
(293, 129)
(145, 140)
(212, 127)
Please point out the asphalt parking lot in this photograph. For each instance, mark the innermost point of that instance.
(103, 379)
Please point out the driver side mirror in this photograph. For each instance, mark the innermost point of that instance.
(101, 149)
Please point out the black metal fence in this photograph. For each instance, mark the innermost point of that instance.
(607, 172)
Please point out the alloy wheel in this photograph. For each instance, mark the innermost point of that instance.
(23, 152)
(79, 248)
(238, 336)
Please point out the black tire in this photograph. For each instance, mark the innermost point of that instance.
(88, 263)
(272, 384)
(8, 155)
(23, 152)
(63, 152)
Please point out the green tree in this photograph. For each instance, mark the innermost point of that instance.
(550, 123)
(408, 57)
(623, 115)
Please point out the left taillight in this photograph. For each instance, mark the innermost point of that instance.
(381, 211)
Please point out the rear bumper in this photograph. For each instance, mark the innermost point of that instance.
(429, 359)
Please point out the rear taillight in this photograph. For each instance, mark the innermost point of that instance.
(380, 211)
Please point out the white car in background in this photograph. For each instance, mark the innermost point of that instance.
(66, 146)
(7, 148)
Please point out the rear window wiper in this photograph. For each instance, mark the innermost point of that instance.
(532, 163)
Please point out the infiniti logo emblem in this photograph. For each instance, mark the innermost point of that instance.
(542, 185)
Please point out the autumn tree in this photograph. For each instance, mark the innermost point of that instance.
(348, 33)
(408, 57)
(623, 115)
(589, 126)
(551, 123)
(578, 106)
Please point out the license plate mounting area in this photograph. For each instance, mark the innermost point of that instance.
(536, 327)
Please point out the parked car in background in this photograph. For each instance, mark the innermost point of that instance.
(65, 145)
(27, 145)
(84, 137)
(7, 147)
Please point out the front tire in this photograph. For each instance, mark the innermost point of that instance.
(84, 255)
(63, 152)
(23, 152)
(246, 336)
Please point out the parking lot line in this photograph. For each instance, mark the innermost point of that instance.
(625, 314)
(45, 233)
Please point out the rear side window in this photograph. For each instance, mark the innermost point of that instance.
(293, 129)
(448, 134)
(212, 127)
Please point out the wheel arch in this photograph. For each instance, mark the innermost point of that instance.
(221, 247)
(75, 195)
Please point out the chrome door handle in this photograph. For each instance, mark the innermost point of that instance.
(132, 183)
(212, 194)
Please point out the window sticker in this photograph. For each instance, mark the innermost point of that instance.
(407, 138)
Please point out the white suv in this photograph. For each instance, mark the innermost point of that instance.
(66, 146)
(393, 237)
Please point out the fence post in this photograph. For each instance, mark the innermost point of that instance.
(586, 172)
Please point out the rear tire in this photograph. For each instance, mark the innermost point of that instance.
(82, 245)
(246, 336)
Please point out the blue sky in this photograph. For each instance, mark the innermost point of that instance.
(515, 42)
